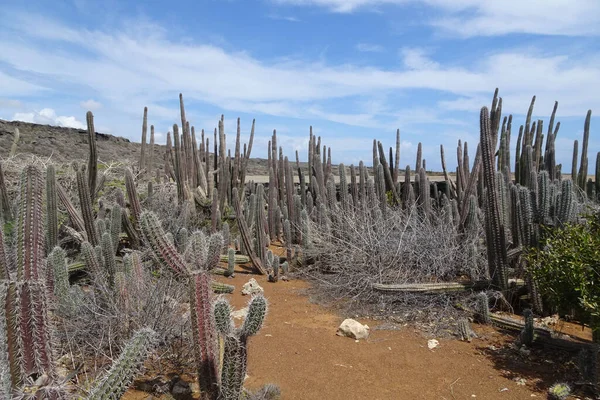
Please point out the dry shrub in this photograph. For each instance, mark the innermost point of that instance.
(356, 249)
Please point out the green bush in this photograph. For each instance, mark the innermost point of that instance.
(566, 267)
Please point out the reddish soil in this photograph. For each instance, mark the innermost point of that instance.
(298, 349)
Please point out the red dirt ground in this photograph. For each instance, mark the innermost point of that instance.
(298, 349)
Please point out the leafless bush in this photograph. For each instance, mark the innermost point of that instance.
(355, 249)
(99, 319)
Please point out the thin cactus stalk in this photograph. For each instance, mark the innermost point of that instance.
(57, 263)
(213, 256)
(583, 167)
(483, 306)
(110, 263)
(132, 196)
(230, 263)
(51, 209)
(85, 201)
(144, 133)
(129, 364)
(5, 207)
(93, 157)
(574, 162)
(245, 233)
(225, 231)
(115, 226)
(15, 143)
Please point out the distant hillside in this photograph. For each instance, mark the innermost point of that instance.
(69, 144)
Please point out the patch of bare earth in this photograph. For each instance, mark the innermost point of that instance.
(298, 349)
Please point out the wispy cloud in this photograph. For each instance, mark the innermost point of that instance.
(278, 17)
(476, 18)
(370, 48)
(91, 105)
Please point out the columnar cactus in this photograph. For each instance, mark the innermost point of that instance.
(495, 234)
(204, 334)
(51, 209)
(85, 201)
(93, 157)
(57, 264)
(162, 249)
(122, 372)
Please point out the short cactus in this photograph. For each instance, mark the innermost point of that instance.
(559, 391)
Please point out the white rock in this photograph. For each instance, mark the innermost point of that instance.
(353, 329)
(251, 287)
(432, 344)
(241, 313)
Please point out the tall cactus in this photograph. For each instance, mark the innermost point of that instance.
(24, 300)
(85, 201)
(93, 158)
(30, 220)
(144, 133)
(204, 334)
(51, 209)
(496, 243)
(5, 208)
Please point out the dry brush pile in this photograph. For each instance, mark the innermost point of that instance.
(97, 267)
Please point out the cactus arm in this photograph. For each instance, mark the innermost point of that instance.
(118, 379)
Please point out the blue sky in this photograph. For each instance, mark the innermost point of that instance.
(353, 69)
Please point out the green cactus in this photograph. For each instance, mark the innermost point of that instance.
(93, 158)
(51, 209)
(495, 234)
(5, 208)
(223, 321)
(559, 391)
(527, 334)
(116, 219)
(57, 263)
(483, 308)
(162, 249)
(122, 372)
(108, 253)
(213, 256)
(85, 202)
(230, 263)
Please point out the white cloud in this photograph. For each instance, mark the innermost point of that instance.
(415, 58)
(11, 86)
(118, 66)
(47, 116)
(91, 105)
(369, 48)
(477, 18)
(287, 18)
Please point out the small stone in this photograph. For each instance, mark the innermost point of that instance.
(239, 314)
(353, 329)
(252, 287)
(432, 344)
